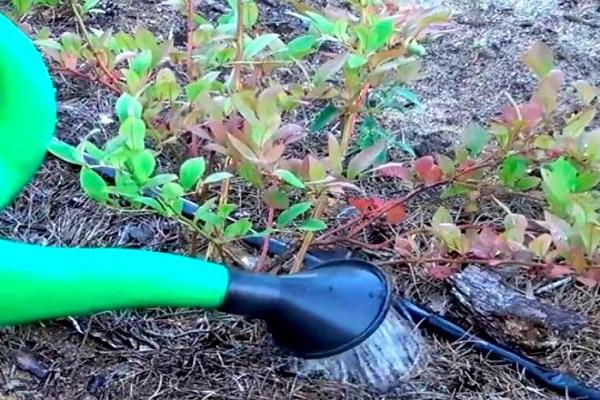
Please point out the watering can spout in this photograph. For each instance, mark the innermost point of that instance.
(27, 110)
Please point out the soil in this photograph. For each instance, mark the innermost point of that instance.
(180, 354)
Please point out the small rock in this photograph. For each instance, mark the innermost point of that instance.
(27, 362)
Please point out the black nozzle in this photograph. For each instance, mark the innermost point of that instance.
(318, 313)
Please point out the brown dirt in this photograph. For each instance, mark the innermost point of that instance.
(180, 354)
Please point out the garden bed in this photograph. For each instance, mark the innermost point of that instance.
(180, 354)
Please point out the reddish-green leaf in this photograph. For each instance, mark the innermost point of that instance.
(427, 170)
(539, 58)
(586, 92)
(276, 199)
(365, 159)
(329, 69)
(392, 170)
(540, 245)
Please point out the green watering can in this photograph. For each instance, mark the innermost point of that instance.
(334, 314)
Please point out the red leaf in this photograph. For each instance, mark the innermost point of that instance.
(427, 170)
(396, 214)
(441, 272)
(487, 244)
(361, 204)
(366, 204)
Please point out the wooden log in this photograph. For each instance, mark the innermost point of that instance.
(509, 316)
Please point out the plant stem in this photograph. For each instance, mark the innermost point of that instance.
(237, 81)
(189, 11)
(265, 247)
(239, 48)
(351, 117)
(308, 236)
(87, 37)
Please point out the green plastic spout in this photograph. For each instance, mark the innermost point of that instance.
(27, 110)
(39, 283)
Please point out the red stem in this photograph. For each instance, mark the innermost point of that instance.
(491, 262)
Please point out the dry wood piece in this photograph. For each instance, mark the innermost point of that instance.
(509, 316)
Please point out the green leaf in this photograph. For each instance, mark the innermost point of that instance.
(191, 171)
(316, 171)
(577, 123)
(475, 139)
(289, 215)
(454, 190)
(238, 229)
(199, 86)
(381, 32)
(143, 164)
(301, 46)
(249, 172)
(321, 23)
(141, 63)
(22, 6)
(312, 225)
(128, 106)
(276, 199)
(356, 61)
(559, 180)
(159, 180)
(243, 101)
(539, 58)
(258, 44)
(512, 168)
(289, 178)
(150, 202)
(527, 183)
(441, 216)
(365, 159)
(93, 185)
(71, 43)
(133, 130)
(126, 186)
(217, 177)
(171, 191)
(65, 152)
(89, 5)
(587, 180)
(446, 164)
(324, 117)
(328, 69)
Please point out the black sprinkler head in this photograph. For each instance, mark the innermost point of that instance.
(316, 313)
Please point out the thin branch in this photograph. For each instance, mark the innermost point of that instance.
(442, 260)
(88, 39)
